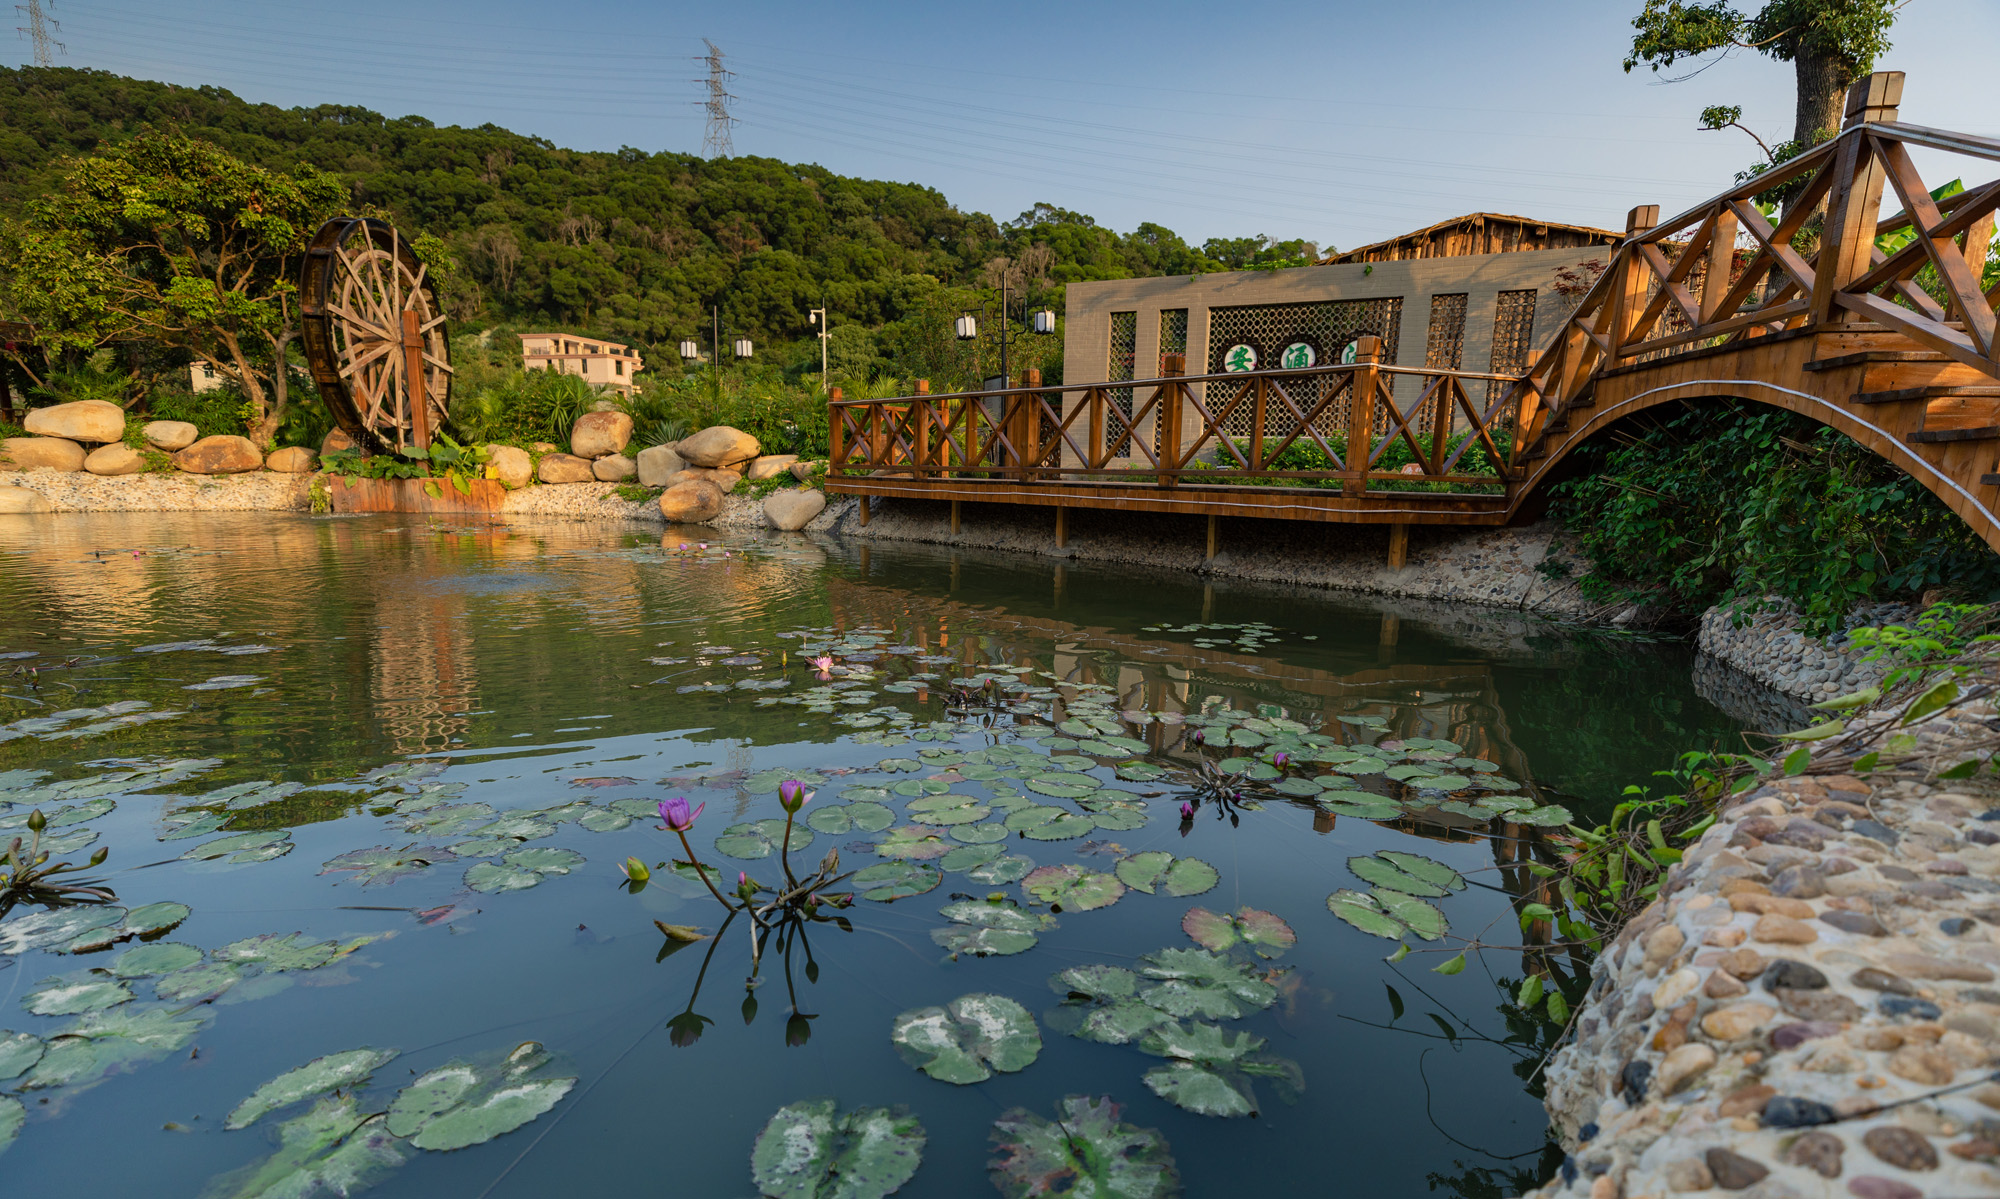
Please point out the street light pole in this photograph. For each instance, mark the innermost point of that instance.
(817, 316)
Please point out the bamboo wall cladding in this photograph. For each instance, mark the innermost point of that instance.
(1445, 346)
(1513, 334)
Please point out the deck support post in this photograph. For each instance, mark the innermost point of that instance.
(1214, 529)
(864, 511)
(1361, 412)
(1172, 366)
(1062, 526)
(954, 518)
(1399, 545)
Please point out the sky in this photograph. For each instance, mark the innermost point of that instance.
(1339, 122)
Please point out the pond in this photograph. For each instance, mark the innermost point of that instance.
(369, 787)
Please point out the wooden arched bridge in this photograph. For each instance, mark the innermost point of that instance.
(1893, 345)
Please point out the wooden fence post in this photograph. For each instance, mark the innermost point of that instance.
(1855, 204)
(836, 432)
(1172, 367)
(1361, 412)
(1634, 279)
(921, 409)
(1028, 423)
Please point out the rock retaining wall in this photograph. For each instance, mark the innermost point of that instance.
(165, 492)
(1770, 649)
(1811, 1009)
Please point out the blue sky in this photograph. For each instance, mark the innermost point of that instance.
(1339, 122)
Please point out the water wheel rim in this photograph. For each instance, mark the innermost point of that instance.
(360, 276)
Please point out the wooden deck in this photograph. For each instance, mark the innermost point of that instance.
(1841, 332)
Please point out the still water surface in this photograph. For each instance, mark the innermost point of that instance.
(552, 667)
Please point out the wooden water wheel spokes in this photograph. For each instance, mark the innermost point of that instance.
(375, 335)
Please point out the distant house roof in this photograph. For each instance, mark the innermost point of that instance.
(1480, 233)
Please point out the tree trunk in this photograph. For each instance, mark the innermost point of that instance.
(281, 392)
(1823, 82)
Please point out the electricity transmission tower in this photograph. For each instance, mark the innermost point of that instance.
(715, 139)
(37, 31)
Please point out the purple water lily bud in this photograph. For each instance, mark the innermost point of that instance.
(675, 812)
(1197, 736)
(1279, 758)
(1187, 810)
(792, 795)
(684, 547)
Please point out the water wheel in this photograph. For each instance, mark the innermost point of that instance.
(375, 335)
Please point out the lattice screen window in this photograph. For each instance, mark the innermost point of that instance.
(1513, 337)
(1327, 326)
(1173, 334)
(1124, 356)
(1445, 349)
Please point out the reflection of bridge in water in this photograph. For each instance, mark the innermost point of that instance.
(1457, 702)
(1878, 327)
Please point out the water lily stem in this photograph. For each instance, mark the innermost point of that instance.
(785, 851)
(700, 872)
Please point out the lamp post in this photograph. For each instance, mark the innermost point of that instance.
(817, 316)
(1042, 322)
(741, 346)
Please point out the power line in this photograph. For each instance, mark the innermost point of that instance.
(715, 139)
(37, 31)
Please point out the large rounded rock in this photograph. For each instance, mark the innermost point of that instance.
(691, 501)
(770, 466)
(658, 464)
(511, 465)
(719, 445)
(336, 441)
(614, 468)
(600, 434)
(171, 435)
(21, 501)
(115, 459)
(292, 460)
(84, 420)
(724, 479)
(793, 510)
(564, 468)
(40, 453)
(223, 454)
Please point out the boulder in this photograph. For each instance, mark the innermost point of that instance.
(724, 479)
(542, 447)
(292, 460)
(614, 468)
(770, 466)
(115, 459)
(336, 441)
(512, 466)
(794, 510)
(171, 435)
(564, 468)
(223, 454)
(21, 501)
(658, 464)
(691, 501)
(718, 445)
(600, 434)
(84, 420)
(40, 453)
(802, 470)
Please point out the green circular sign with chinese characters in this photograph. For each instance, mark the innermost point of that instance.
(1239, 358)
(1298, 356)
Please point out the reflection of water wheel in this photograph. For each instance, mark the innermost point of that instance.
(375, 335)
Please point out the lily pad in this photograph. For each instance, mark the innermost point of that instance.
(809, 1151)
(112, 1042)
(1086, 1152)
(1011, 868)
(968, 1039)
(155, 919)
(147, 961)
(1100, 1004)
(1208, 1069)
(1061, 786)
(1419, 916)
(1387, 874)
(978, 834)
(335, 1071)
(1388, 914)
(1265, 934)
(459, 1105)
(960, 811)
(332, 1148)
(240, 848)
(759, 838)
(862, 816)
(1073, 887)
(965, 857)
(1065, 827)
(1428, 869)
(1546, 816)
(12, 1117)
(911, 843)
(1181, 877)
(73, 995)
(383, 864)
(1195, 982)
(198, 982)
(18, 1052)
(889, 881)
(1116, 817)
(274, 953)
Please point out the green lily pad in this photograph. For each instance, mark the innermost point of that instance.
(240, 848)
(335, 1071)
(1265, 934)
(1195, 982)
(1419, 916)
(957, 939)
(1387, 874)
(898, 765)
(146, 961)
(1361, 911)
(1058, 786)
(603, 820)
(12, 1117)
(1100, 1004)
(861, 816)
(968, 1039)
(198, 982)
(965, 857)
(1302, 788)
(332, 1148)
(1065, 827)
(1069, 887)
(274, 953)
(544, 859)
(447, 819)
(808, 1151)
(462, 1104)
(756, 839)
(964, 811)
(1011, 868)
(1546, 816)
(1376, 808)
(1181, 877)
(1117, 817)
(1000, 914)
(889, 881)
(1428, 869)
(385, 865)
(1208, 1069)
(978, 834)
(18, 1052)
(75, 994)
(862, 794)
(111, 1042)
(1022, 819)
(155, 919)
(1086, 1152)
(912, 843)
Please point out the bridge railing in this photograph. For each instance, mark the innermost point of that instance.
(1348, 426)
(1681, 285)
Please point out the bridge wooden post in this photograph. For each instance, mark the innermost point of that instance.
(1634, 279)
(1026, 424)
(921, 407)
(1715, 279)
(1847, 246)
(1361, 413)
(836, 433)
(1168, 410)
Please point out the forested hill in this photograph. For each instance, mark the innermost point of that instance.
(628, 244)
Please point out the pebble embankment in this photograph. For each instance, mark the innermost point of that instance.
(1769, 648)
(1811, 1008)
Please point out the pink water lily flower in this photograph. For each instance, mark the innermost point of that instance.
(792, 795)
(675, 812)
(823, 664)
